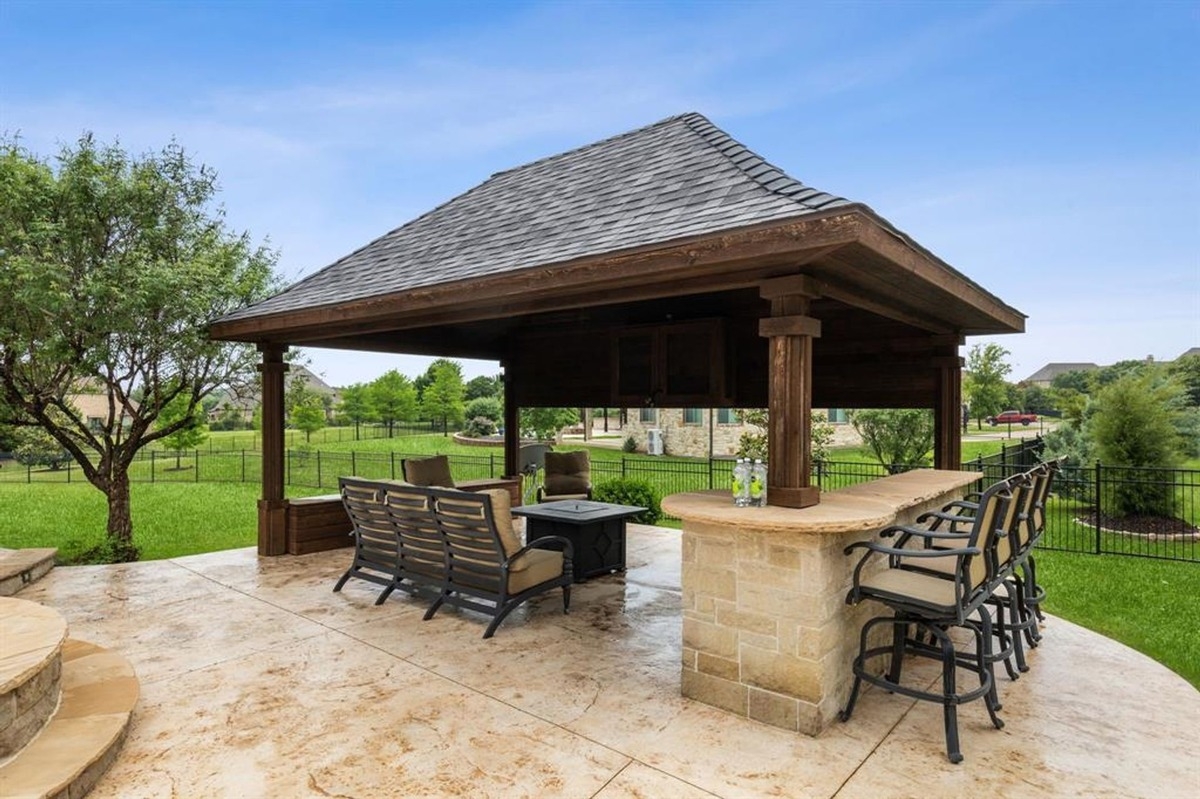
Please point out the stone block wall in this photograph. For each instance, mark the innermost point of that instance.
(767, 632)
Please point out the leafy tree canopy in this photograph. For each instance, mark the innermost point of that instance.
(443, 396)
(545, 423)
(984, 385)
(113, 265)
(484, 386)
(392, 398)
(191, 433)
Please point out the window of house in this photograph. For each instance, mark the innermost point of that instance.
(693, 416)
(726, 416)
(648, 415)
(838, 415)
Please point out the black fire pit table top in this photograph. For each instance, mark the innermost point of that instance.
(580, 511)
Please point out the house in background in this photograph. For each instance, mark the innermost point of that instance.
(701, 432)
(244, 400)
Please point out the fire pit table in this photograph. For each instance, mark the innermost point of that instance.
(597, 529)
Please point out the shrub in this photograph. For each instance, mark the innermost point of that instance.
(899, 438)
(487, 407)
(1133, 424)
(627, 491)
(630, 444)
(480, 426)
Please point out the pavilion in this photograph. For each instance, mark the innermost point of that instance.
(669, 266)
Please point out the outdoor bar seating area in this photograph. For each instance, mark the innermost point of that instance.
(966, 568)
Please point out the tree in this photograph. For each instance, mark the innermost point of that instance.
(188, 423)
(308, 414)
(1076, 380)
(356, 405)
(113, 265)
(984, 383)
(443, 397)
(899, 438)
(753, 443)
(392, 399)
(1187, 371)
(1036, 399)
(1107, 375)
(484, 386)
(1134, 424)
(545, 423)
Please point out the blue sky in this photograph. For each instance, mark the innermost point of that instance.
(1050, 151)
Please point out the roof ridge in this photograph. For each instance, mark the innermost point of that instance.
(596, 144)
(759, 169)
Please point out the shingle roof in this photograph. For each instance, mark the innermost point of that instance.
(1053, 370)
(680, 177)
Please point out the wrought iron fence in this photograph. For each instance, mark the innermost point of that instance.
(1081, 514)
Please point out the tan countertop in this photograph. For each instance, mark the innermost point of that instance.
(865, 506)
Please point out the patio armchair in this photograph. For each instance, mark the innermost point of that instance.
(486, 567)
(933, 607)
(568, 476)
(435, 471)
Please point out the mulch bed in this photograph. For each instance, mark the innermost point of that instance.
(1153, 528)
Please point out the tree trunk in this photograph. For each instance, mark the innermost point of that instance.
(120, 522)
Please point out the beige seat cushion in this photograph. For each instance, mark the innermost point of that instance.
(936, 591)
(568, 472)
(433, 471)
(502, 513)
(534, 567)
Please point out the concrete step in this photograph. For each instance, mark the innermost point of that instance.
(20, 567)
(82, 739)
(31, 643)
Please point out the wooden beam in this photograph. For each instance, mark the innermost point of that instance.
(272, 516)
(789, 326)
(908, 255)
(790, 285)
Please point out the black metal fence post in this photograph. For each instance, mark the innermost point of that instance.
(152, 453)
(393, 464)
(319, 483)
(197, 471)
(1099, 502)
(243, 465)
(353, 462)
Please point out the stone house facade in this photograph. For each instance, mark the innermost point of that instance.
(689, 432)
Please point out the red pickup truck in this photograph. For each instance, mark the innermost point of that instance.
(1012, 417)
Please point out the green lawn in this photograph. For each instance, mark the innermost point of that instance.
(168, 520)
(1150, 605)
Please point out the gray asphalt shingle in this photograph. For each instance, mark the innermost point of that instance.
(679, 177)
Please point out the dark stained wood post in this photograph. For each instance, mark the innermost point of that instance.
(512, 425)
(947, 409)
(272, 508)
(789, 444)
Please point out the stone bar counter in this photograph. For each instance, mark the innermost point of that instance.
(767, 632)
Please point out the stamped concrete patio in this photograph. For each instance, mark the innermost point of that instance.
(257, 681)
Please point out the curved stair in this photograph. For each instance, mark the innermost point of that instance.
(65, 705)
(20, 567)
